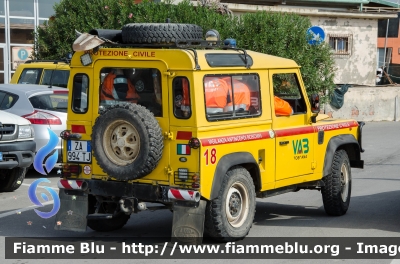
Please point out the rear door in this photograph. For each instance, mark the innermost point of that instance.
(151, 85)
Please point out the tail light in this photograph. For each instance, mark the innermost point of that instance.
(71, 170)
(42, 118)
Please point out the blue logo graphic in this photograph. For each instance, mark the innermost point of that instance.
(35, 200)
(23, 54)
(44, 151)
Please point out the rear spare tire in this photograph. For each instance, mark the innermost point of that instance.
(127, 141)
(155, 33)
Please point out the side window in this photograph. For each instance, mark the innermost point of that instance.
(288, 97)
(232, 96)
(7, 100)
(182, 104)
(80, 93)
(135, 85)
(31, 76)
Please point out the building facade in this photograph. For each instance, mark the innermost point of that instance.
(18, 22)
(351, 29)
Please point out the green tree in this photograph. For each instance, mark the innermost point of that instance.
(279, 34)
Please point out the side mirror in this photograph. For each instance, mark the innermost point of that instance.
(314, 100)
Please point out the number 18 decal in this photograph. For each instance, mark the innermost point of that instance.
(211, 156)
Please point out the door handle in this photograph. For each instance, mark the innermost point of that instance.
(283, 143)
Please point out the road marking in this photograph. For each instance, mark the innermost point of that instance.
(13, 212)
(25, 184)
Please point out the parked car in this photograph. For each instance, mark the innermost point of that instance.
(17, 150)
(54, 72)
(45, 107)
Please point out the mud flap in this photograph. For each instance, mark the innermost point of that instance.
(73, 211)
(188, 223)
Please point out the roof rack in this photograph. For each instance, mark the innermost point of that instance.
(54, 61)
(183, 44)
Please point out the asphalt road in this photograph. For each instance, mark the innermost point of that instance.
(374, 209)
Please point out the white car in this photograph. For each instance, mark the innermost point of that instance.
(44, 106)
(17, 150)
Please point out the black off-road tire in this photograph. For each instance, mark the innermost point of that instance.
(106, 225)
(337, 190)
(156, 33)
(11, 179)
(127, 141)
(223, 221)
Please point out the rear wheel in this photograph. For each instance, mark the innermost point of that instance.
(105, 225)
(337, 190)
(230, 216)
(11, 179)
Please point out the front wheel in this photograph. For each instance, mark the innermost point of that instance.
(337, 190)
(11, 179)
(230, 216)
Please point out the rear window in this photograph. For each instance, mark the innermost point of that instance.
(56, 78)
(30, 76)
(54, 102)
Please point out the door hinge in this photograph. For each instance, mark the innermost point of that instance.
(168, 170)
(168, 135)
(169, 74)
(313, 165)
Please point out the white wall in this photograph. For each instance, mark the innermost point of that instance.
(369, 104)
(360, 66)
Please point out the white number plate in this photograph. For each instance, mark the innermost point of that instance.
(79, 151)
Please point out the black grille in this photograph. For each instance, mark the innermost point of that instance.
(7, 129)
(187, 183)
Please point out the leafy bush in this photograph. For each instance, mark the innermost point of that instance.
(279, 34)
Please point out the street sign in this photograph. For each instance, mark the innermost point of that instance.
(316, 35)
(20, 55)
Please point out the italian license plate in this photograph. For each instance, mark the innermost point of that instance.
(79, 151)
(1, 156)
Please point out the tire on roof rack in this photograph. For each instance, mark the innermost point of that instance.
(157, 33)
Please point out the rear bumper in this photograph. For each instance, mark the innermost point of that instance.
(143, 192)
(17, 154)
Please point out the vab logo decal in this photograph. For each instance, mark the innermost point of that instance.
(44, 151)
(300, 148)
(32, 196)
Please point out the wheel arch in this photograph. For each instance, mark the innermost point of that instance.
(348, 143)
(244, 159)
